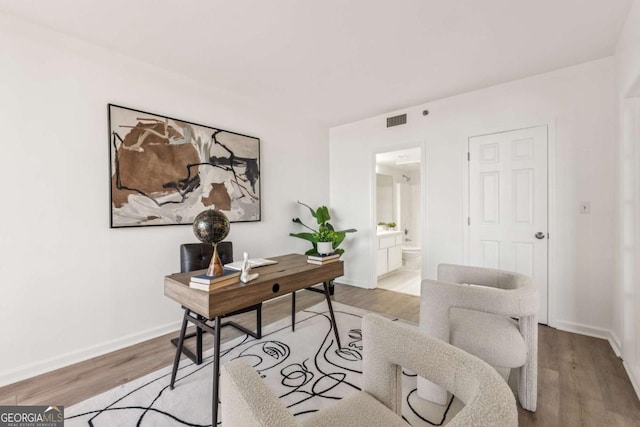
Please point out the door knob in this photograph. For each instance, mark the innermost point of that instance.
(539, 235)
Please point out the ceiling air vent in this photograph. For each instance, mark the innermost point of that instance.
(396, 120)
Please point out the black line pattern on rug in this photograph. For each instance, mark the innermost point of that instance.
(326, 381)
(444, 416)
(332, 367)
(205, 363)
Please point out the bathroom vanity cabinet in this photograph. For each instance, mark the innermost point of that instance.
(389, 251)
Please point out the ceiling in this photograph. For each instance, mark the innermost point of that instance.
(337, 61)
(408, 159)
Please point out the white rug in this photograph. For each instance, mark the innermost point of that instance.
(304, 368)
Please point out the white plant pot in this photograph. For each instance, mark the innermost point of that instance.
(325, 248)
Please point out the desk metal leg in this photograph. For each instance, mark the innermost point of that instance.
(216, 371)
(293, 311)
(199, 342)
(259, 322)
(333, 318)
(176, 360)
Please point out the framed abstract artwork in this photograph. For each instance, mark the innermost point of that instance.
(165, 171)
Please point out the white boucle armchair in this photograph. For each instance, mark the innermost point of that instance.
(492, 314)
(388, 346)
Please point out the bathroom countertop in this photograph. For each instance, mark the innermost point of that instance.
(387, 232)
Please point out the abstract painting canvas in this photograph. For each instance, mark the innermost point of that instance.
(166, 171)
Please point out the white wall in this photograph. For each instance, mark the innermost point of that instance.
(70, 287)
(626, 304)
(580, 100)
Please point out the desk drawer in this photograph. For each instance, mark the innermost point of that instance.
(266, 288)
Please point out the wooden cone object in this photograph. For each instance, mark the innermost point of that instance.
(215, 266)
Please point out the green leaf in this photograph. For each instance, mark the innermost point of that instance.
(325, 233)
(313, 213)
(311, 237)
(338, 238)
(322, 214)
(351, 230)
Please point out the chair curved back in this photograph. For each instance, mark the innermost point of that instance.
(388, 346)
(196, 256)
(490, 277)
(501, 294)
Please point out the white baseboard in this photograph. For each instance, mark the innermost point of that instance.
(616, 344)
(591, 331)
(57, 362)
(634, 376)
(579, 328)
(633, 372)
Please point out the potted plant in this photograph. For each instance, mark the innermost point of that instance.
(325, 238)
(324, 234)
(386, 226)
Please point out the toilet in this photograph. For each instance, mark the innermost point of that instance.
(411, 257)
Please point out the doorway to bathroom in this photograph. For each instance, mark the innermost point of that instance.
(398, 216)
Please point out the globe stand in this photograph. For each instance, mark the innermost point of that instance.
(212, 226)
(215, 266)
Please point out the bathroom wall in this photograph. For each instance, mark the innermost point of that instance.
(389, 202)
(410, 208)
(385, 192)
(406, 200)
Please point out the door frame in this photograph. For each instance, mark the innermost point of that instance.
(373, 240)
(552, 272)
(628, 266)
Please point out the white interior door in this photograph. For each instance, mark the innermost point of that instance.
(508, 198)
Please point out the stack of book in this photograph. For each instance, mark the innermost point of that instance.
(323, 259)
(208, 283)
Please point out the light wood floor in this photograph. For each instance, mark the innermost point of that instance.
(580, 381)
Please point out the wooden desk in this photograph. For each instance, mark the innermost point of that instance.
(290, 274)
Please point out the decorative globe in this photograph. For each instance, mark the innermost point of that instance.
(211, 226)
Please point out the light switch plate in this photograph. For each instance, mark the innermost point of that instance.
(585, 207)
